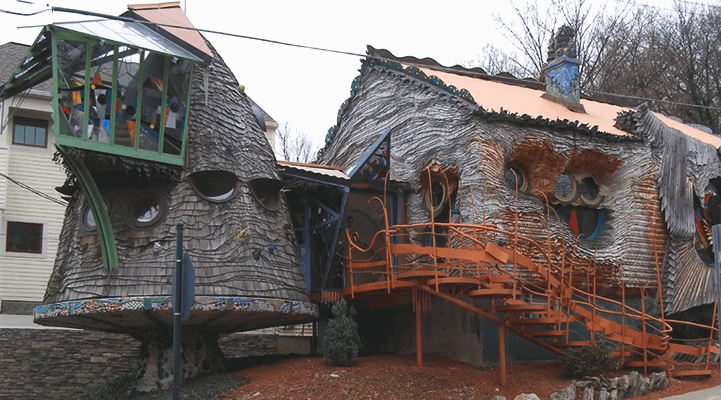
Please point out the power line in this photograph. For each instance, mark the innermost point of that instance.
(23, 14)
(33, 190)
(675, 103)
(441, 68)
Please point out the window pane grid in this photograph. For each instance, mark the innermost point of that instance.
(24, 237)
(30, 131)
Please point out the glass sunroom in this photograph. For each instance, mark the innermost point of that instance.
(119, 88)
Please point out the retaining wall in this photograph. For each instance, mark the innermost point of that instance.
(62, 363)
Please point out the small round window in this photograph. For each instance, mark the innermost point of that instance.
(215, 186)
(267, 192)
(566, 189)
(515, 179)
(589, 192)
(145, 209)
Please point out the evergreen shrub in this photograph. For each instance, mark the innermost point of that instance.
(585, 361)
(341, 341)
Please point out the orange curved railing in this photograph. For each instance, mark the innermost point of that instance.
(530, 290)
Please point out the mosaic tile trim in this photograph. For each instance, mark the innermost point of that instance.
(165, 303)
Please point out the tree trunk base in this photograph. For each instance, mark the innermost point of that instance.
(200, 356)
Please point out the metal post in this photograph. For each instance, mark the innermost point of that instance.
(419, 327)
(502, 354)
(716, 230)
(177, 304)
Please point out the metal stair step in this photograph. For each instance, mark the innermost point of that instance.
(454, 280)
(523, 307)
(540, 321)
(658, 362)
(553, 333)
(494, 292)
(576, 343)
(693, 372)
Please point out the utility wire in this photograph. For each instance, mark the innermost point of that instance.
(655, 100)
(24, 14)
(37, 192)
(441, 68)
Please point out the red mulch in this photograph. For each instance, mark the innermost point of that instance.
(398, 377)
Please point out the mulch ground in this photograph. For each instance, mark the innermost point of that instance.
(398, 377)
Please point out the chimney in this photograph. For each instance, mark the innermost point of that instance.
(561, 70)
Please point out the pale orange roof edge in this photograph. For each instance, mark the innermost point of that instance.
(153, 5)
(172, 19)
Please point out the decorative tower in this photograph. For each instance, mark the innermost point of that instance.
(561, 71)
(153, 130)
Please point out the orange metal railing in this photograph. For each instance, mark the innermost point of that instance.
(520, 279)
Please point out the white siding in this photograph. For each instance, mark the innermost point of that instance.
(25, 276)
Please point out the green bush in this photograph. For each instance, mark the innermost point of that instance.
(341, 342)
(591, 360)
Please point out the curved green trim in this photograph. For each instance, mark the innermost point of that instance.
(97, 207)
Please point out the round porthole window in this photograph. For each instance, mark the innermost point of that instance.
(267, 192)
(515, 179)
(215, 186)
(566, 189)
(145, 209)
(589, 192)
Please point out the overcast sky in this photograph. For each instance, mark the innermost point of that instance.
(304, 87)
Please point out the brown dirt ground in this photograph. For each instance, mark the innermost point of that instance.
(398, 377)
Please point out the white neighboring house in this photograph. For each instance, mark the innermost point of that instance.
(31, 222)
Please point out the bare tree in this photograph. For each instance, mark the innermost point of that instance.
(629, 53)
(529, 32)
(293, 145)
(494, 61)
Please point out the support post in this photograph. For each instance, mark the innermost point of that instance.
(419, 327)
(177, 304)
(502, 353)
(716, 231)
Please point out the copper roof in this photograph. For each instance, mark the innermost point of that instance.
(171, 18)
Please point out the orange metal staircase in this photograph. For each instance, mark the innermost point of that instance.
(484, 270)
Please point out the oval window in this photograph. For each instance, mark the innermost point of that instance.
(88, 220)
(436, 197)
(515, 179)
(267, 192)
(145, 209)
(589, 192)
(215, 186)
(566, 189)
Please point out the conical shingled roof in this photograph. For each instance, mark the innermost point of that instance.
(241, 246)
(226, 135)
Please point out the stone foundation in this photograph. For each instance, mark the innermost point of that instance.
(49, 364)
(200, 356)
(60, 363)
